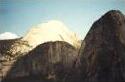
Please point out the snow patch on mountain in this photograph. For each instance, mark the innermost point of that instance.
(8, 35)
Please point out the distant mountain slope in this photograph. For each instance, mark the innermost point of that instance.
(5, 45)
(51, 31)
(103, 54)
(12, 47)
(48, 61)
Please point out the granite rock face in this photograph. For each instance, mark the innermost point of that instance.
(48, 61)
(102, 57)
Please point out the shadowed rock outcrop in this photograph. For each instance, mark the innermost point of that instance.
(51, 61)
(103, 57)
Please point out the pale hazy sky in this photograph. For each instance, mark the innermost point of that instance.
(17, 16)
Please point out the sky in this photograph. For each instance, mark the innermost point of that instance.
(18, 16)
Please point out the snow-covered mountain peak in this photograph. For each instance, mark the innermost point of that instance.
(51, 31)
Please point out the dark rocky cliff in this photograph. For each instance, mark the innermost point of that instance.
(48, 61)
(103, 57)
